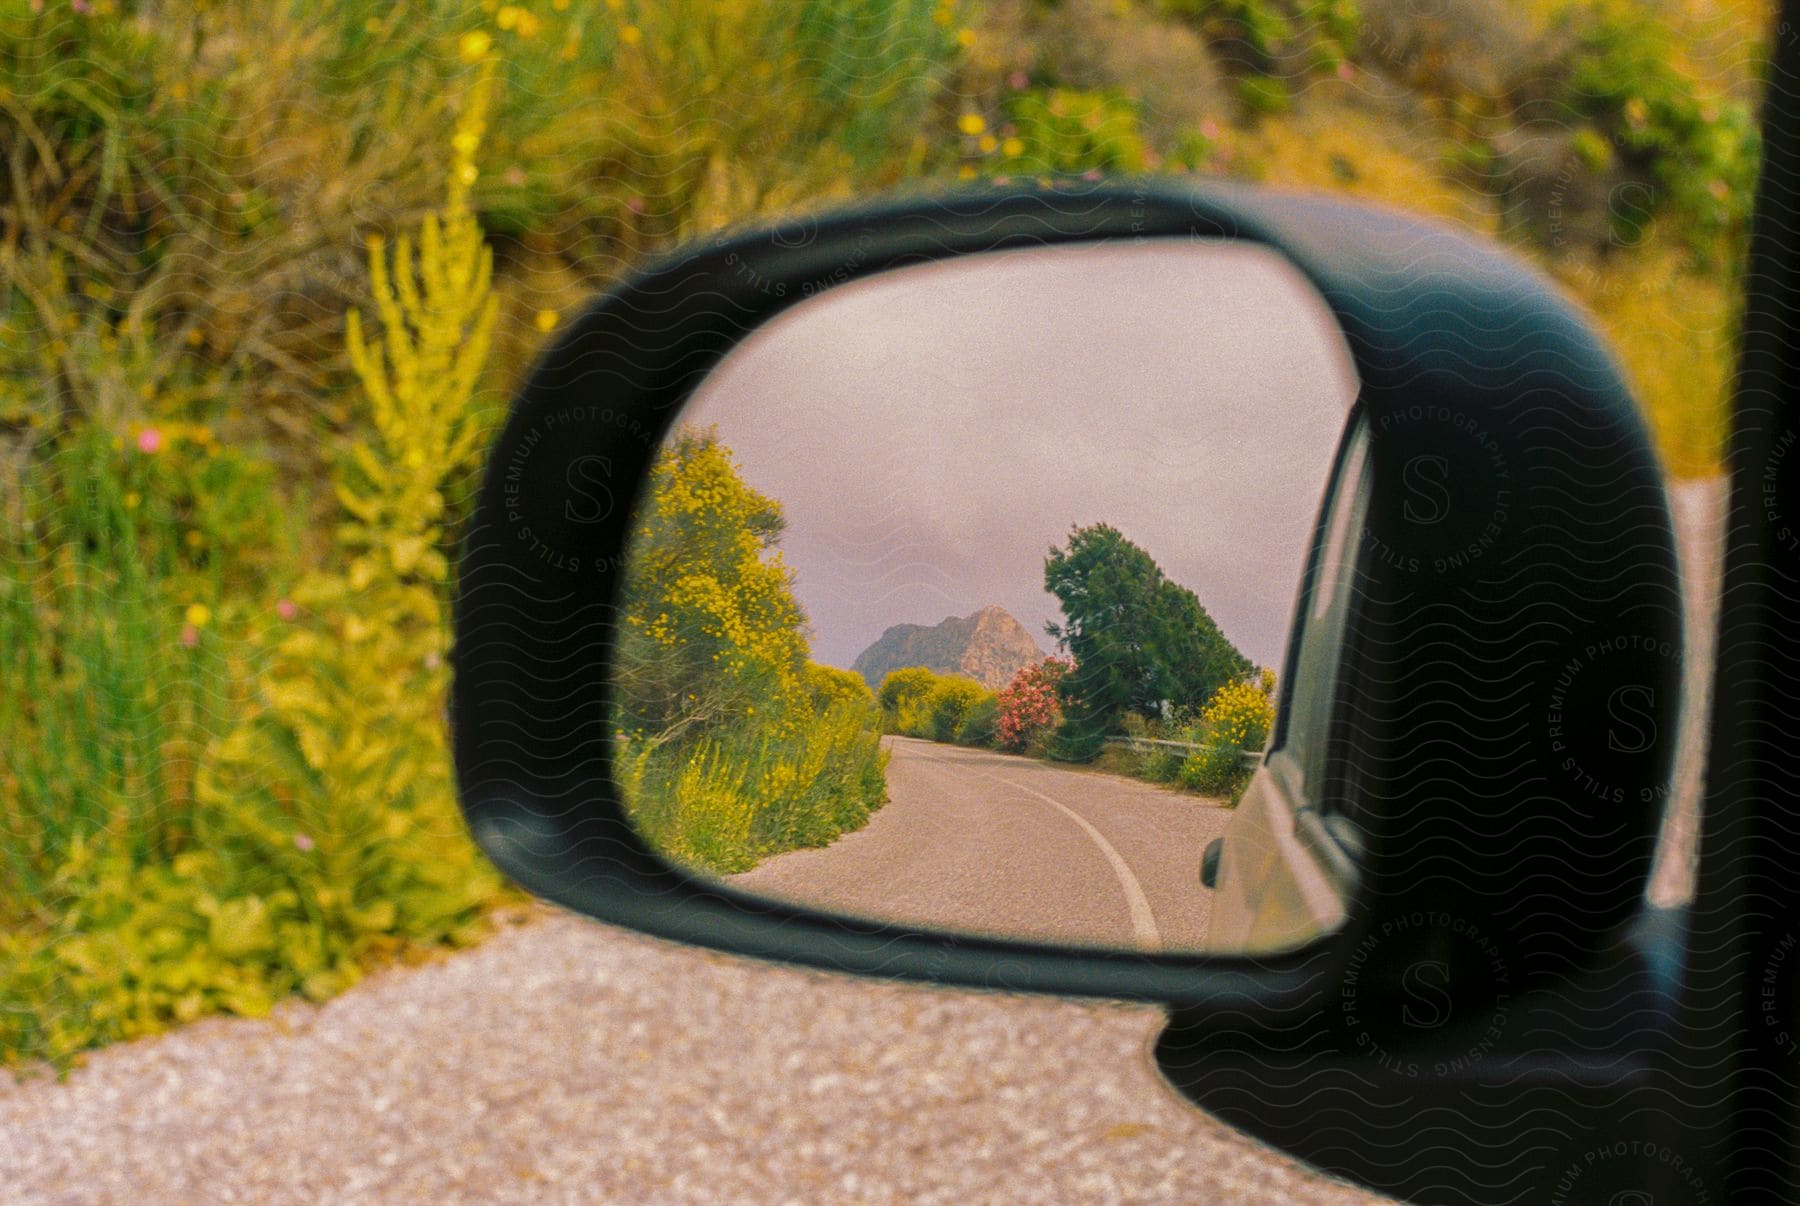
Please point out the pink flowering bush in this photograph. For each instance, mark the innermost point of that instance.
(1031, 705)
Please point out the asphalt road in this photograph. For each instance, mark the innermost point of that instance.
(976, 841)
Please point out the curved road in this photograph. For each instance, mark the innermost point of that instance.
(976, 841)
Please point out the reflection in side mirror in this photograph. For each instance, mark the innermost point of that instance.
(956, 596)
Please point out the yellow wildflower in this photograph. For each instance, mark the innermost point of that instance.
(474, 45)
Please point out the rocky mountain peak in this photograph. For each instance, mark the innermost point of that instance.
(989, 646)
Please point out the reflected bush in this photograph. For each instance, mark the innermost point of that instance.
(728, 799)
(919, 702)
(981, 723)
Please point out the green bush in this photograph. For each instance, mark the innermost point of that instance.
(1077, 739)
(1162, 764)
(900, 689)
(1216, 770)
(949, 703)
(980, 723)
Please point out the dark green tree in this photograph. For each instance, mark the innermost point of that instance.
(1137, 638)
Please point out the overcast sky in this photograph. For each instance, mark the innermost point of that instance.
(931, 432)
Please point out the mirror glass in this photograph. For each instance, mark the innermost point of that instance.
(959, 592)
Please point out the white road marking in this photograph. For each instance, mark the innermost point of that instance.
(1143, 922)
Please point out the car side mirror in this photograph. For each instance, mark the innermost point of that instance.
(1469, 762)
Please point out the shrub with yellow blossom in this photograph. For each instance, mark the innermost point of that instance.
(1236, 719)
(711, 632)
(731, 744)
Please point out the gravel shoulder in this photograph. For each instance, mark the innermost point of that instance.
(565, 1061)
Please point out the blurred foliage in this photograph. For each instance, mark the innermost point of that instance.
(240, 811)
(1060, 131)
(1263, 34)
(1699, 149)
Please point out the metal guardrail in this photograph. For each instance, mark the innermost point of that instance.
(1251, 758)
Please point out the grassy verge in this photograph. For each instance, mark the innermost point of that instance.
(730, 799)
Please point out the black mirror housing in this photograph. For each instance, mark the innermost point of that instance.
(1524, 575)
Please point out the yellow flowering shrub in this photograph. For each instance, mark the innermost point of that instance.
(738, 793)
(1237, 718)
(711, 632)
(1240, 714)
(731, 744)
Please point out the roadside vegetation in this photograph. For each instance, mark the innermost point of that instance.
(227, 514)
(1146, 664)
(226, 774)
(1027, 715)
(731, 744)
